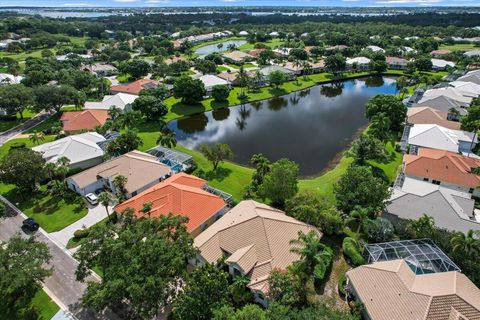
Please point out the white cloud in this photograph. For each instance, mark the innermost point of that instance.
(80, 4)
(420, 2)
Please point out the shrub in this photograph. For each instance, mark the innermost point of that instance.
(81, 233)
(379, 230)
(220, 93)
(8, 117)
(351, 251)
(18, 145)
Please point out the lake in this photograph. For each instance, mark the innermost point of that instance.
(310, 127)
(211, 48)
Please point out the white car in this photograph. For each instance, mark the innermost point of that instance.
(92, 199)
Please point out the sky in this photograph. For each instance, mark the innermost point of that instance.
(177, 3)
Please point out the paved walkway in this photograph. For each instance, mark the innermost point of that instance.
(94, 215)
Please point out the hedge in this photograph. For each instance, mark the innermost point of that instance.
(81, 233)
(352, 252)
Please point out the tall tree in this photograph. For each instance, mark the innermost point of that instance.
(15, 98)
(36, 137)
(167, 138)
(390, 106)
(119, 182)
(143, 263)
(468, 244)
(206, 289)
(216, 153)
(105, 198)
(22, 266)
(367, 148)
(23, 168)
(190, 90)
(280, 183)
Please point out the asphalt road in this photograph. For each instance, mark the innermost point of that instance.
(62, 284)
(5, 136)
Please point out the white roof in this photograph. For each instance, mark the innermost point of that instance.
(67, 56)
(440, 63)
(375, 48)
(243, 33)
(409, 49)
(210, 80)
(76, 148)
(472, 53)
(472, 76)
(468, 89)
(358, 60)
(436, 137)
(450, 92)
(282, 51)
(273, 34)
(6, 78)
(119, 100)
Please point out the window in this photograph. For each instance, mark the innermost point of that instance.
(436, 182)
(425, 179)
(470, 190)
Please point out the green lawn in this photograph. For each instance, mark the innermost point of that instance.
(274, 43)
(222, 69)
(203, 44)
(6, 125)
(51, 214)
(458, 47)
(47, 124)
(246, 65)
(44, 305)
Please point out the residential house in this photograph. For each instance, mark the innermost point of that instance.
(397, 63)
(142, 171)
(427, 115)
(210, 80)
(392, 290)
(134, 87)
(471, 76)
(467, 89)
(282, 52)
(375, 49)
(358, 63)
(472, 53)
(6, 78)
(68, 56)
(122, 101)
(243, 33)
(444, 168)
(407, 50)
(266, 71)
(339, 47)
(440, 53)
(101, 69)
(87, 120)
(433, 136)
(174, 59)
(82, 150)
(256, 52)
(451, 209)
(255, 238)
(274, 34)
(440, 64)
(230, 77)
(181, 194)
(443, 104)
(237, 57)
(450, 92)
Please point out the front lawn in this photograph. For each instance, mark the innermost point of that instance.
(52, 214)
(28, 143)
(458, 47)
(6, 125)
(44, 305)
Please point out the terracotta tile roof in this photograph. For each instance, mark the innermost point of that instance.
(396, 60)
(180, 194)
(443, 166)
(440, 52)
(75, 121)
(390, 290)
(134, 87)
(256, 52)
(229, 76)
(139, 168)
(427, 115)
(257, 238)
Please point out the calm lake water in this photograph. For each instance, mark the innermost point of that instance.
(310, 127)
(211, 48)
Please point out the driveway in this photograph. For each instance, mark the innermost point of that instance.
(62, 285)
(94, 215)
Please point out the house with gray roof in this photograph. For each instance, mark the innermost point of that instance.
(266, 71)
(451, 209)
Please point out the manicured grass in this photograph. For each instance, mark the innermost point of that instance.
(54, 120)
(29, 144)
(75, 242)
(246, 65)
(274, 43)
(222, 69)
(44, 305)
(51, 214)
(123, 78)
(203, 44)
(6, 125)
(458, 46)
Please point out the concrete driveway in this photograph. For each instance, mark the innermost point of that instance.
(94, 215)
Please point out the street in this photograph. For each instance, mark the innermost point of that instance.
(62, 284)
(7, 135)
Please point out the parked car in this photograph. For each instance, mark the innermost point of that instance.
(92, 199)
(30, 224)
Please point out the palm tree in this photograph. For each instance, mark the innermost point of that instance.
(167, 138)
(119, 182)
(242, 76)
(402, 84)
(307, 69)
(359, 215)
(129, 119)
(114, 113)
(50, 169)
(105, 198)
(467, 244)
(36, 137)
(147, 208)
(297, 63)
